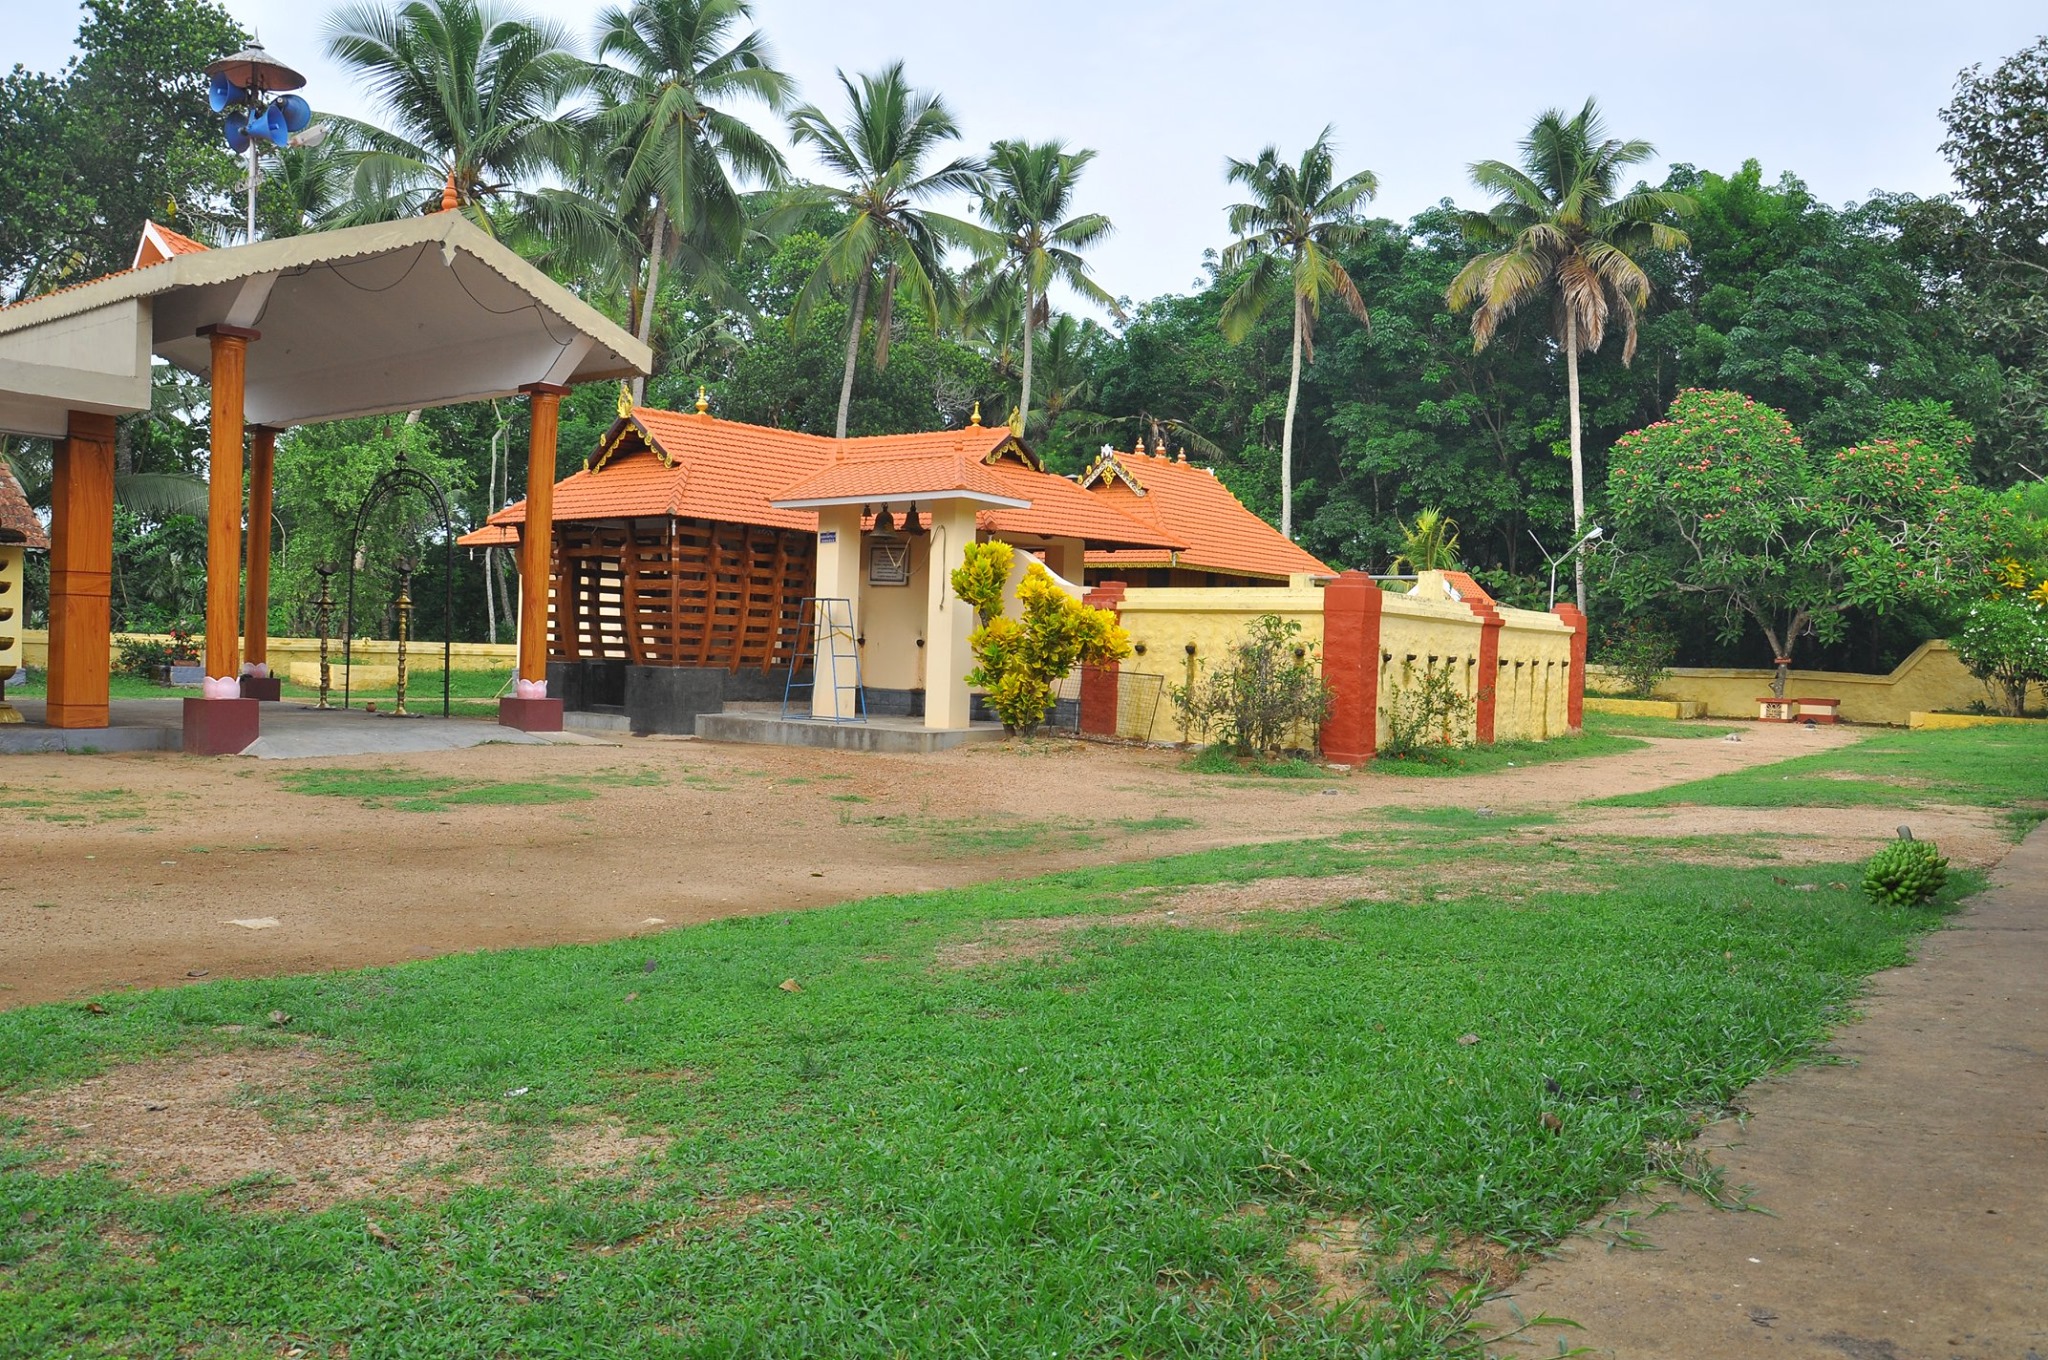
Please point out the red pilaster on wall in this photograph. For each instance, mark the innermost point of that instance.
(1099, 683)
(1352, 605)
(1575, 684)
(1486, 685)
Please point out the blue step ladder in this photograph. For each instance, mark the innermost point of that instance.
(825, 638)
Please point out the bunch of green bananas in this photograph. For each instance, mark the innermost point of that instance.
(1905, 874)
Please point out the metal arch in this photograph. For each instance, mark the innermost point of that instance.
(400, 478)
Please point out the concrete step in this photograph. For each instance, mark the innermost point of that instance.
(893, 736)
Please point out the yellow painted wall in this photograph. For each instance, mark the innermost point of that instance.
(892, 619)
(284, 652)
(1929, 680)
(1415, 634)
(11, 607)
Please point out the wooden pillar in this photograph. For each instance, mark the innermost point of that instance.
(224, 510)
(536, 547)
(1352, 607)
(221, 721)
(1099, 684)
(1575, 679)
(529, 708)
(81, 572)
(257, 682)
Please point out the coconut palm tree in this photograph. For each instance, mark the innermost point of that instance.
(1429, 544)
(472, 99)
(668, 73)
(1025, 201)
(1562, 228)
(1299, 219)
(891, 135)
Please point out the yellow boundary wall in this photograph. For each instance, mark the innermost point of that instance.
(463, 656)
(1183, 630)
(1929, 680)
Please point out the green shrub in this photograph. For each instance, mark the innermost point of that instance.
(1425, 713)
(142, 658)
(1905, 874)
(1639, 655)
(1019, 660)
(1268, 696)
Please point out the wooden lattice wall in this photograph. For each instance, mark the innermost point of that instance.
(678, 592)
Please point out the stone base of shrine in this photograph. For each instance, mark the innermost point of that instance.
(220, 727)
(530, 715)
(889, 735)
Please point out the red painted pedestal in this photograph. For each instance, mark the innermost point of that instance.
(266, 687)
(220, 727)
(531, 715)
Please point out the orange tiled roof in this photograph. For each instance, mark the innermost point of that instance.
(1190, 504)
(18, 524)
(160, 243)
(489, 536)
(898, 475)
(657, 462)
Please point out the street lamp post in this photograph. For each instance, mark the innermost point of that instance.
(1592, 535)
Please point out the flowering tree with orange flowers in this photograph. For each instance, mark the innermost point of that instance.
(1720, 500)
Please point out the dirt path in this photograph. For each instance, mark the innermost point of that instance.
(127, 871)
(1907, 1189)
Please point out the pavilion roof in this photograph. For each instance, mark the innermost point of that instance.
(18, 524)
(391, 316)
(1189, 503)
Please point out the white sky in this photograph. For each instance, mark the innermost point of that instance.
(1846, 93)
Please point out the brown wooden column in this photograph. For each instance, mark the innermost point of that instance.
(221, 721)
(81, 572)
(257, 682)
(530, 708)
(224, 503)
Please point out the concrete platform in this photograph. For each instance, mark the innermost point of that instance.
(891, 736)
(289, 732)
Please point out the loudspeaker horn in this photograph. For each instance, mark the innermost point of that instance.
(221, 92)
(297, 112)
(237, 130)
(270, 126)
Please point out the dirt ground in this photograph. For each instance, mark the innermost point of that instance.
(133, 871)
(1904, 1188)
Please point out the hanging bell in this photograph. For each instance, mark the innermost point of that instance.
(883, 524)
(911, 523)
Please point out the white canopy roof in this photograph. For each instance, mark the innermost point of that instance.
(425, 311)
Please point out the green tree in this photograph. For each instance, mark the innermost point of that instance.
(1562, 227)
(669, 72)
(1026, 201)
(470, 97)
(1721, 501)
(1299, 219)
(883, 151)
(1429, 544)
(122, 136)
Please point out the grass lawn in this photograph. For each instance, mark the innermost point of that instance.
(1452, 760)
(1103, 1147)
(1642, 725)
(1998, 767)
(471, 693)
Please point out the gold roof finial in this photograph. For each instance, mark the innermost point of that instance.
(703, 402)
(1016, 421)
(975, 418)
(625, 401)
